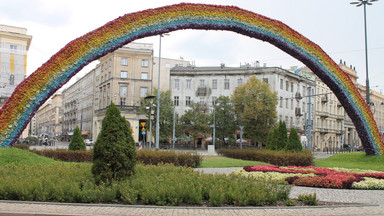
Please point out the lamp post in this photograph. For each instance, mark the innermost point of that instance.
(158, 97)
(150, 97)
(358, 3)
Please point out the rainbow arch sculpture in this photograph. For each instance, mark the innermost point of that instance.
(43, 83)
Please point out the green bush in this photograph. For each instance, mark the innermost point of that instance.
(114, 153)
(308, 199)
(150, 157)
(22, 146)
(280, 158)
(152, 185)
(77, 141)
(66, 155)
(294, 143)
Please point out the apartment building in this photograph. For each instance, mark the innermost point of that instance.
(206, 84)
(78, 107)
(49, 118)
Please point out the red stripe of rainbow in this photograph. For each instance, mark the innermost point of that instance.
(37, 88)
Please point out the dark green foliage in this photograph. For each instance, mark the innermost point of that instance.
(66, 155)
(152, 185)
(187, 159)
(281, 138)
(77, 141)
(308, 199)
(270, 140)
(280, 158)
(114, 153)
(22, 146)
(294, 143)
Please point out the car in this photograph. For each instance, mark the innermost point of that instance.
(88, 142)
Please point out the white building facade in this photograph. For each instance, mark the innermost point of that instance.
(206, 84)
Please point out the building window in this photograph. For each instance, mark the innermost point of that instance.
(144, 75)
(202, 83)
(187, 100)
(214, 101)
(265, 80)
(226, 84)
(12, 48)
(177, 83)
(144, 63)
(123, 74)
(286, 119)
(122, 101)
(286, 86)
(12, 80)
(286, 103)
(239, 82)
(281, 102)
(291, 122)
(291, 86)
(123, 91)
(280, 118)
(188, 84)
(124, 61)
(291, 103)
(167, 65)
(202, 100)
(143, 91)
(281, 84)
(176, 100)
(214, 84)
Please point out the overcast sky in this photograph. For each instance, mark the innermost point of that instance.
(335, 25)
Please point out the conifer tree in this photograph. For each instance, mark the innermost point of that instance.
(114, 152)
(281, 136)
(270, 142)
(294, 143)
(77, 141)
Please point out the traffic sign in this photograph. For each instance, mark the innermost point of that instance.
(143, 129)
(143, 132)
(142, 124)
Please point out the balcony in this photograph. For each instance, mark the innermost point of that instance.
(324, 99)
(340, 117)
(323, 114)
(298, 112)
(324, 130)
(203, 91)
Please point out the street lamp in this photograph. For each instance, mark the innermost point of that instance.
(150, 97)
(158, 96)
(358, 3)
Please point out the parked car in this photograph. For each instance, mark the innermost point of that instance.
(88, 142)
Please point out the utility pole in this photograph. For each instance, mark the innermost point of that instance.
(174, 125)
(309, 136)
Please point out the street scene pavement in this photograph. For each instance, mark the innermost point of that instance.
(355, 202)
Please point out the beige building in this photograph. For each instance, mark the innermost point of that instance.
(123, 77)
(334, 128)
(165, 74)
(14, 45)
(49, 118)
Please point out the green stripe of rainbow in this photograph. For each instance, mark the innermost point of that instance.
(37, 88)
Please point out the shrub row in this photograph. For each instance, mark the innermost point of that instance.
(148, 157)
(280, 158)
(152, 185)
(66, 155)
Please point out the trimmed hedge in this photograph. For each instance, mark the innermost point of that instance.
(148, 157)
(280, 158)
(66, 155)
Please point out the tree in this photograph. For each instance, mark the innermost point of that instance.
(255, 105)
(194, 121)
(281, 138)
(224, 119)
(270, 140)
(294, 143)
(77, 141)
(114, 152)
(166, 114)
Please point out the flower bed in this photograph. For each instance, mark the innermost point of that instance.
(316, 176)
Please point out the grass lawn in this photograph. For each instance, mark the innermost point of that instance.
(22, 157)
(220, 161)
(353, 160)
